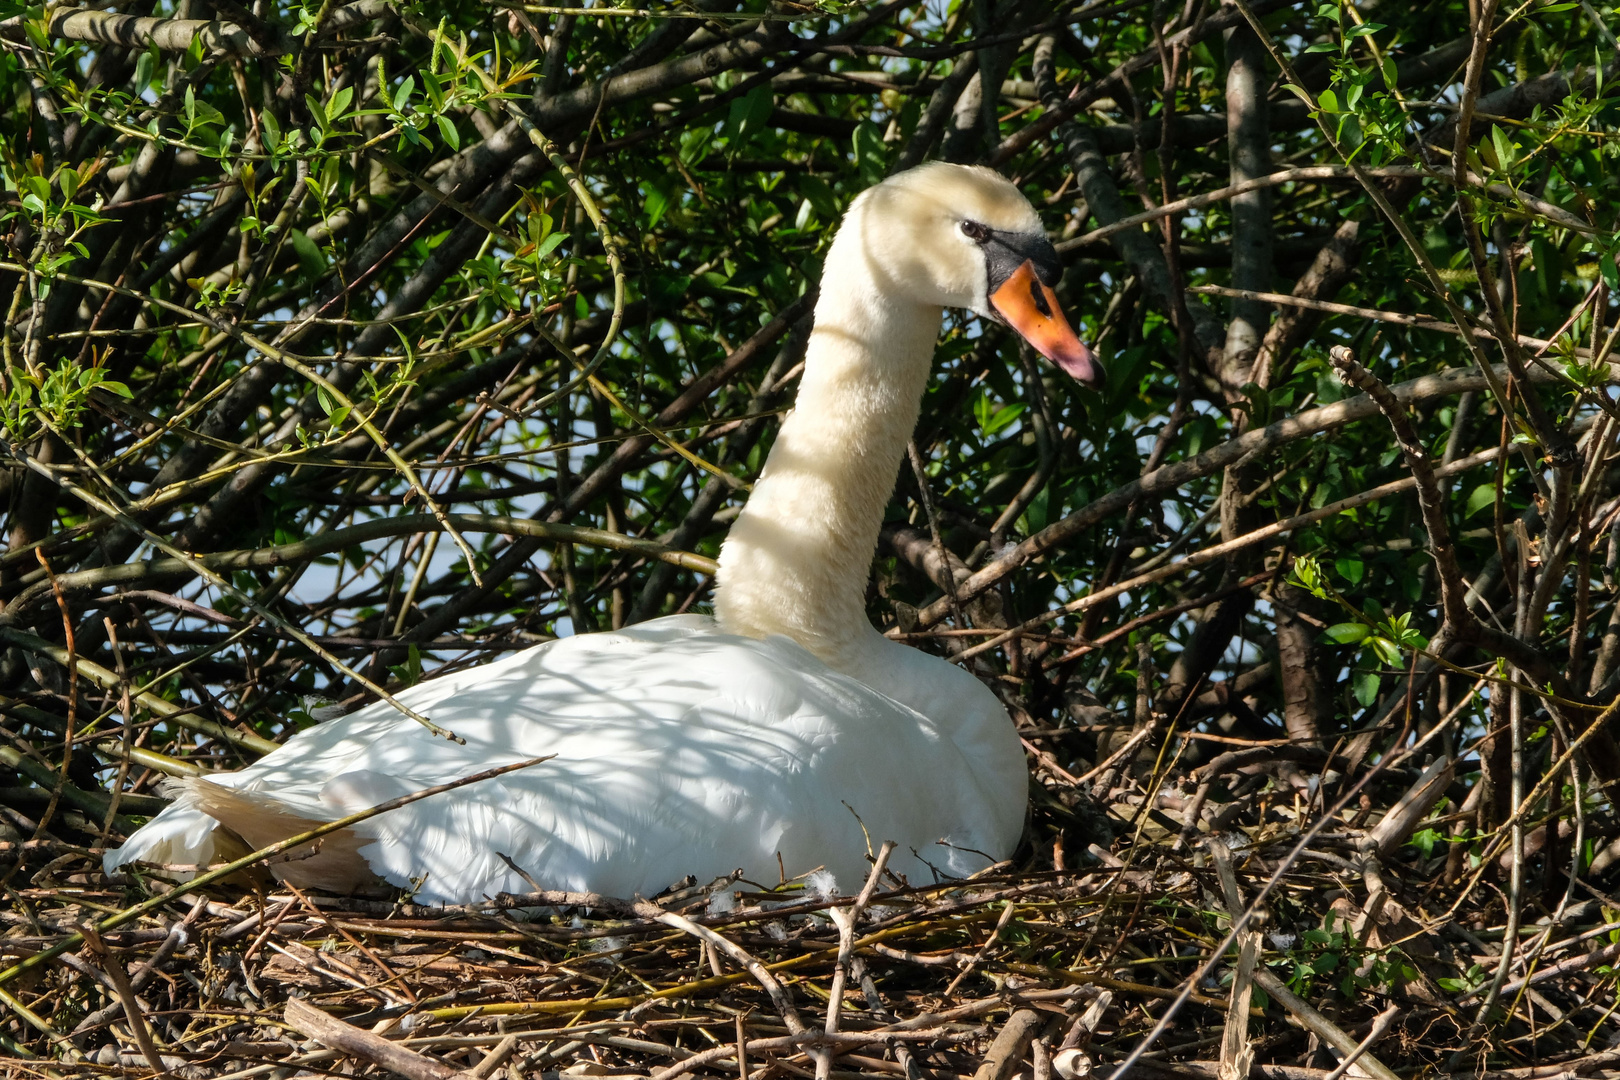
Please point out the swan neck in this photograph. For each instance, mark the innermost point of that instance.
(798, 558)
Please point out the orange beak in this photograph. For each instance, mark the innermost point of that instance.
(1031, 308)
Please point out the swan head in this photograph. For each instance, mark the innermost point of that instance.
(964, 236)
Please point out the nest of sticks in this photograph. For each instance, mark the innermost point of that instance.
(1355, 951)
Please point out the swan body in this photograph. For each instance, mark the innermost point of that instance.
(784, 734)
(680, 749)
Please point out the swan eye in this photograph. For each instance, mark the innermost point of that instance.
(975, 232)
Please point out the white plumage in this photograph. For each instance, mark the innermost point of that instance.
(680, 749)
(786, 734)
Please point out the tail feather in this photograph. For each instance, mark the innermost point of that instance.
(190, 832)
(182, 841)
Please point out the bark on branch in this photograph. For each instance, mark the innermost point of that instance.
(166, 35)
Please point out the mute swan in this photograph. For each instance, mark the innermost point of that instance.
(689, 745)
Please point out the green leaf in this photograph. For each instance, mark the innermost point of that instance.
(695, 145)
(272, 129)
(1482, 496)
(821, 197)
(1346, 633)
(992, 422)
(116, 387)
(1308, 576)
(310, 257)
(1039, 514)
(1328, 101)
(748, 114)
(1256, 402)
(548, 245)
(143, 69)
(1352, 570)
(654, 202)
(1611, 276)
(1507, 152)
(331, 176)
(871, 156)
(339, 106)
(410, 672)
(207, 114)
(447, 129)
(1365, 687)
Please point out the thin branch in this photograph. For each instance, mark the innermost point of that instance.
(1176, 474)
(1431, 501)
(1218, 551)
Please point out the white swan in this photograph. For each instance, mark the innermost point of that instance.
(688, 745)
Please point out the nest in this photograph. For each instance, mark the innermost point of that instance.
(1354, 957)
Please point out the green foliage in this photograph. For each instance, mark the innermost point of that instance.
(1475, 978)
(410, 672)
(1335, 956)
(993, 418)
(58, 397)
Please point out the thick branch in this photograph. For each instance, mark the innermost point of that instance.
(166, 35)
(1249, 146)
